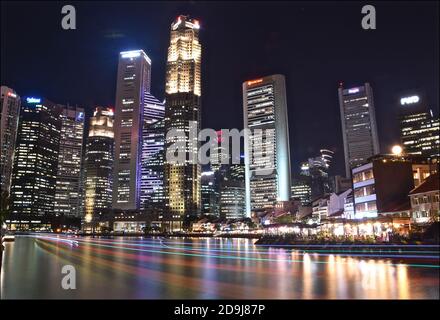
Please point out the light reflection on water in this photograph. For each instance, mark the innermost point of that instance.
(205, 269)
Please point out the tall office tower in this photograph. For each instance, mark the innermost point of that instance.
(222, 157)
(210, 193)
(301, 191)
(236, 172)
(99, 161)
(10, 110)
(232, 192)
(183, 111)
(318, 168)
(232, 200)
(152, 161)
(267, 154)
(67, 197)
(419, 130)
(82, 183)
(359, 130)
(36, 158)
(132, 88)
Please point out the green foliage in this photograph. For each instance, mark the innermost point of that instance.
(287, 218)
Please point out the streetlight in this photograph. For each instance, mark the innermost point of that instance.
(397, 150)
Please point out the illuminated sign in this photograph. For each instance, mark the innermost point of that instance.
(354, 90)
(134, 54)
(130, 54)
(409, 100)
(11, 94)
(33, 100)
(249, 83)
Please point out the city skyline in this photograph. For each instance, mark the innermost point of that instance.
(383, 71)
(187, 150)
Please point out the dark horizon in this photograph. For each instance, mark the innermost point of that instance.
(315, 45)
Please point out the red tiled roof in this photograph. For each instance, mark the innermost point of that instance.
(430, 184)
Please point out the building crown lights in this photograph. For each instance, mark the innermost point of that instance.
(135, 54)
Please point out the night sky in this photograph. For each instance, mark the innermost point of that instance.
(315, 45)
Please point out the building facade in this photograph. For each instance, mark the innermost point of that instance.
(132, 89)
(302, 191)
(359, 129)
(318, 168)
(67, 192)
(382, 186)
(266, 143)
(36, 158)
(182, 116)
(9, 113)
(221, 157)
(419, 130)
(340, 184)
(425, 200)
(99, 161)
(210, 193)
(232, 200)
(153, 143)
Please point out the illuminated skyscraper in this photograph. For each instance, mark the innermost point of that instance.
(233, 193)
(301, 191)
(36, 158)
(318, 173)
(67, 199)
(183, 109)
(10, 110)
(359, 130)
(222, 156)
(99, 163)
(153, 140)
(232, 199)
(419, 130)
(210, 193)
(267, 151)
(132, 89)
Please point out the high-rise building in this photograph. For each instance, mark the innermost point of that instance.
(99, 161)
(132, 89)
(210, 193)
(267, 154)
(36, 158)
(302, 191)
(153, 140)
(318, 171)
(183, 112)
(359, 130)
(67, 197)
(221, 157)
(232, 200)
(236, 172)
(340, 184)
(10, 110)
(419, 130)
